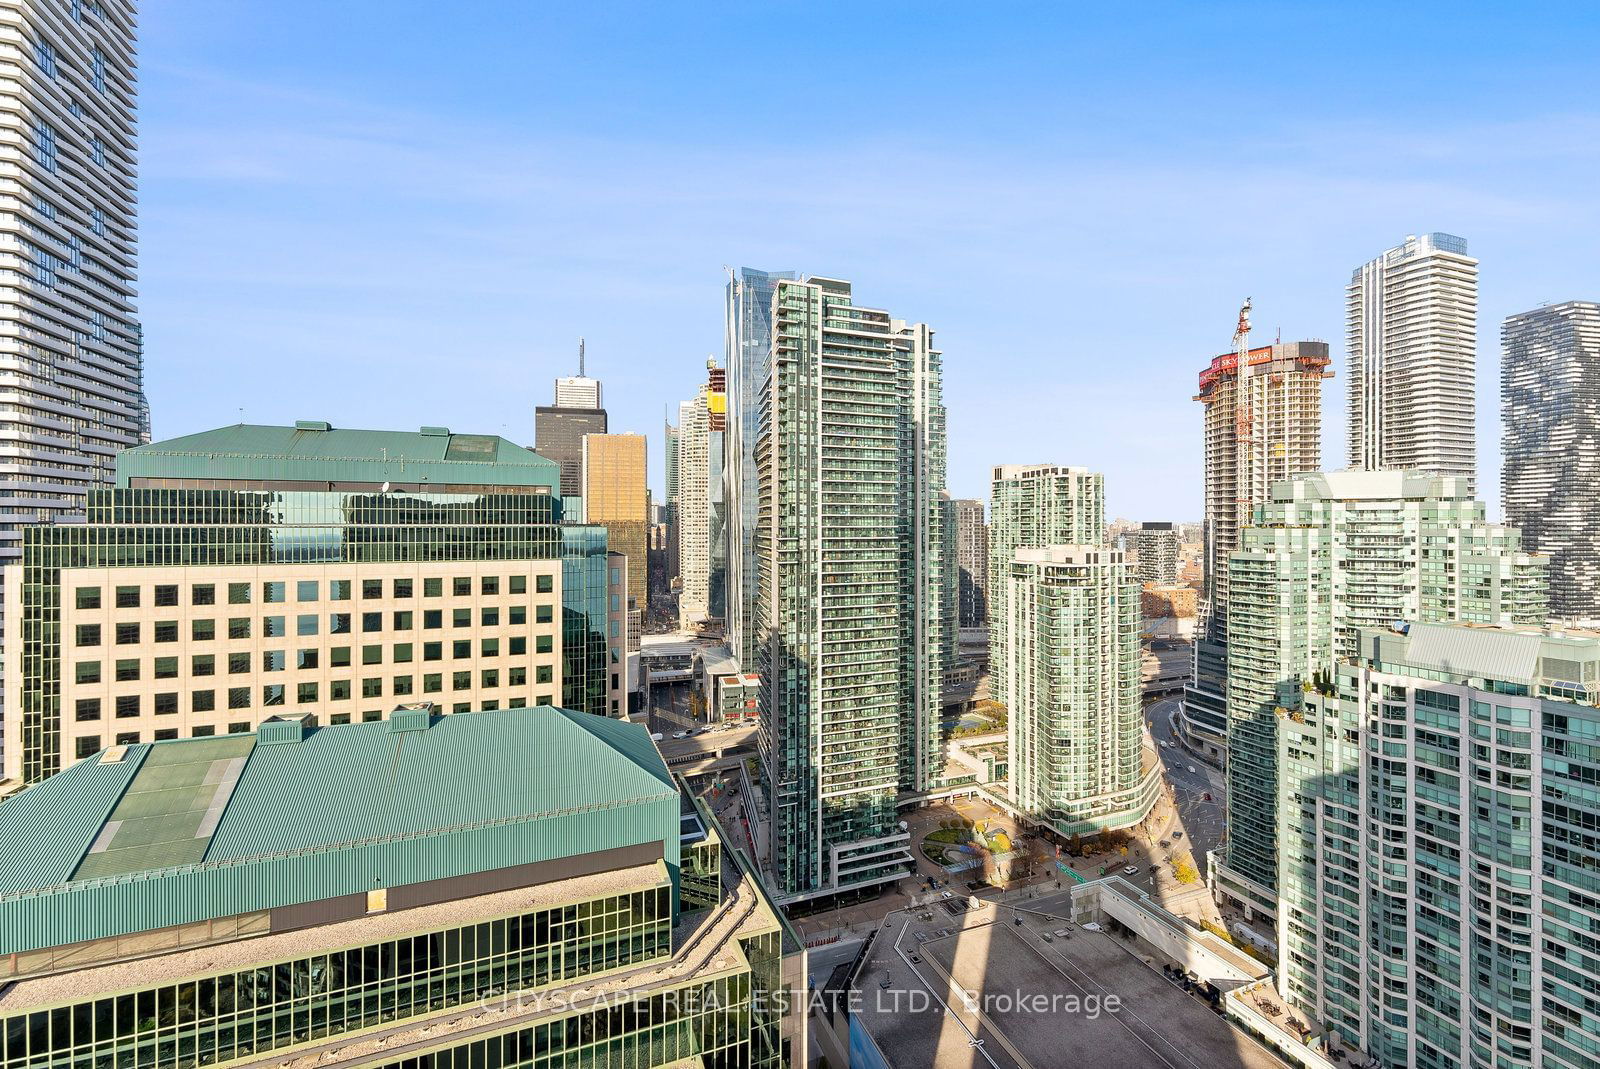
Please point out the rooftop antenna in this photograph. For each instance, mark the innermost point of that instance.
(580, 358)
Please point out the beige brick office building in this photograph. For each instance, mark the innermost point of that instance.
(157, 653)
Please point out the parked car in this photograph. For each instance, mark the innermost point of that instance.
(1177, 835)
(680, 734)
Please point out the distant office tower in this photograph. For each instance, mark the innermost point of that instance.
(1074, 723)
(578, 391)
(671, 459)
(1412, 322)
(1438, 810)
(701, 514)
(716, 491)
(377, 894)
(192, 602)
(748, 359)
(972, 559)
(1158, 553)
(1035, 505)
(1263, 423)
(615, 497)
(670, 508)
(558, 429)
(1329, 555)
(72, 351)
(1550, 486)
(848, 555)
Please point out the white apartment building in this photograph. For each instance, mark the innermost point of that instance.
(1412, 332)
(71, 365)
(694, 510)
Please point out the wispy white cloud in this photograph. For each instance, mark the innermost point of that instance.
(315, 239)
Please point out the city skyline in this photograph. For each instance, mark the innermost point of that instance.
(308, 163)
(319, 738)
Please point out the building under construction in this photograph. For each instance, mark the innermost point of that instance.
(1263, 423)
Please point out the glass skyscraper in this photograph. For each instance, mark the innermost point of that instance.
(1035, 505)
(747, 346)
(848, 555)
(1072, 685)
(1412, 331)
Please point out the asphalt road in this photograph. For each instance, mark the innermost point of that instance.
(669, 708)
(719, 738)
(1203, 822)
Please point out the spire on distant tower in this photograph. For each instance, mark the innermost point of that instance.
(580, 358)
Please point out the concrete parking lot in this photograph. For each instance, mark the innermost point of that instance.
(978, 991)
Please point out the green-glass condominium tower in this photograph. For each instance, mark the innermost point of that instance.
(1326, 556)
(1072, 675)
(1035, 505)
(1440, 900)
(848, 549)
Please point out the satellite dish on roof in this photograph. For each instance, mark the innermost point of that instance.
(384, 489)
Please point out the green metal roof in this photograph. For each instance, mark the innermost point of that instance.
(47, 828)
(313, 451)
(342, 786)
(345, 809)
(167, 812)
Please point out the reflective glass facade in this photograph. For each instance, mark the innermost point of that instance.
(747, 349)
(1075, 728)
(721, 1023)
(849, 553)
(217, 1018)
(1036, 505)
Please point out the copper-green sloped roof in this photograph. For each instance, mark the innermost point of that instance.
(46, 830)
(167, 812)
(362, 782)
(328, 812)
(316, 452)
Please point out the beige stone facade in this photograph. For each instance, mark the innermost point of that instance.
(152, 653)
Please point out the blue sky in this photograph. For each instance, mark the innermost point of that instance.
(396, 214)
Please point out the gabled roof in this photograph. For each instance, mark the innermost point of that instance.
(316, 451)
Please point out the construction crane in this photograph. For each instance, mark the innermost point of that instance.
(1243, 423)
(1241, 346)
